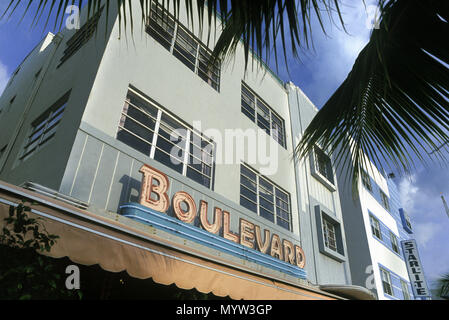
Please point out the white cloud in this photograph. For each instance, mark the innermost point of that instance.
(4, 77)
(407, 192)
(425, 232)
(322, 70)
(420, 196)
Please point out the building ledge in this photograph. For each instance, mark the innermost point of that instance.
(349, 291)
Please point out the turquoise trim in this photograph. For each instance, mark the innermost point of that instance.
(184, 230)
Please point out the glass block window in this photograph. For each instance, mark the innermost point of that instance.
(262, 114)
(182, 43)
(264, 198)
(44, 128)
(149, 129)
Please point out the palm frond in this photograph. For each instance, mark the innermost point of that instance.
(393, 105)
(258, 24)
(443, 286)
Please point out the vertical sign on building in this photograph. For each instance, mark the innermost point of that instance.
(414, 268)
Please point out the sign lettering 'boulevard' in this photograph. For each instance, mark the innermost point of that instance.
(250, 234)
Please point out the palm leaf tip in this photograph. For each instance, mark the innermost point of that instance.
(258, 24)
(393, 105)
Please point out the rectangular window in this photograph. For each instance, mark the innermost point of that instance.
(405, 292)
(185, 48)
(161, 26)
(177, 39)
(81, 37)
(407, 220)
(207, 71)
(386, 282)
(13, 76)
(330, 239)
(366, 180)
(375, 227)
(384, 199)
(323, 165)
(44, 127)
(262, 114)
(394, 242)
(263, 197)
(10, 104)
(152, 131)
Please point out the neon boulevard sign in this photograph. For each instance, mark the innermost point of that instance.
(153, 195)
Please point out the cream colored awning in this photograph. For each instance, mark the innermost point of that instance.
(89, 239)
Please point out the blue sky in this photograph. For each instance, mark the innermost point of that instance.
(318, 74)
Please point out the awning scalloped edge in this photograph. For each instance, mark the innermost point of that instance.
(87, 243)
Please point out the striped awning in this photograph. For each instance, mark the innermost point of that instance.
(117, 243)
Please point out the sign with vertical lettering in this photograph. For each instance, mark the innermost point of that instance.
(414, 269)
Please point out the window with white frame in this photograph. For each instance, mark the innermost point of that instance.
(263, 197)
(329, 230)
(384, 199)
(44, 128)
(323, 165)
(161, 26)
(375, 227)
(330, 238)
(154, 132)
(386, 282)
(394, 242)
(366, 181)
(177, 39)
(405, 291)
(262, 114)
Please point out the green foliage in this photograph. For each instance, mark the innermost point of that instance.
(22, 227)
(443, 286)
(24, 273)
(260, 25)
(394, 104)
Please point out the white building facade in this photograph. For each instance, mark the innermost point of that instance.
(88, 110)
(376, 255)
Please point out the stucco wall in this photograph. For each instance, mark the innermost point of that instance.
(36, 94)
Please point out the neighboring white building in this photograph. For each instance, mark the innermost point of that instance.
(88, 108)
(376, 256)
